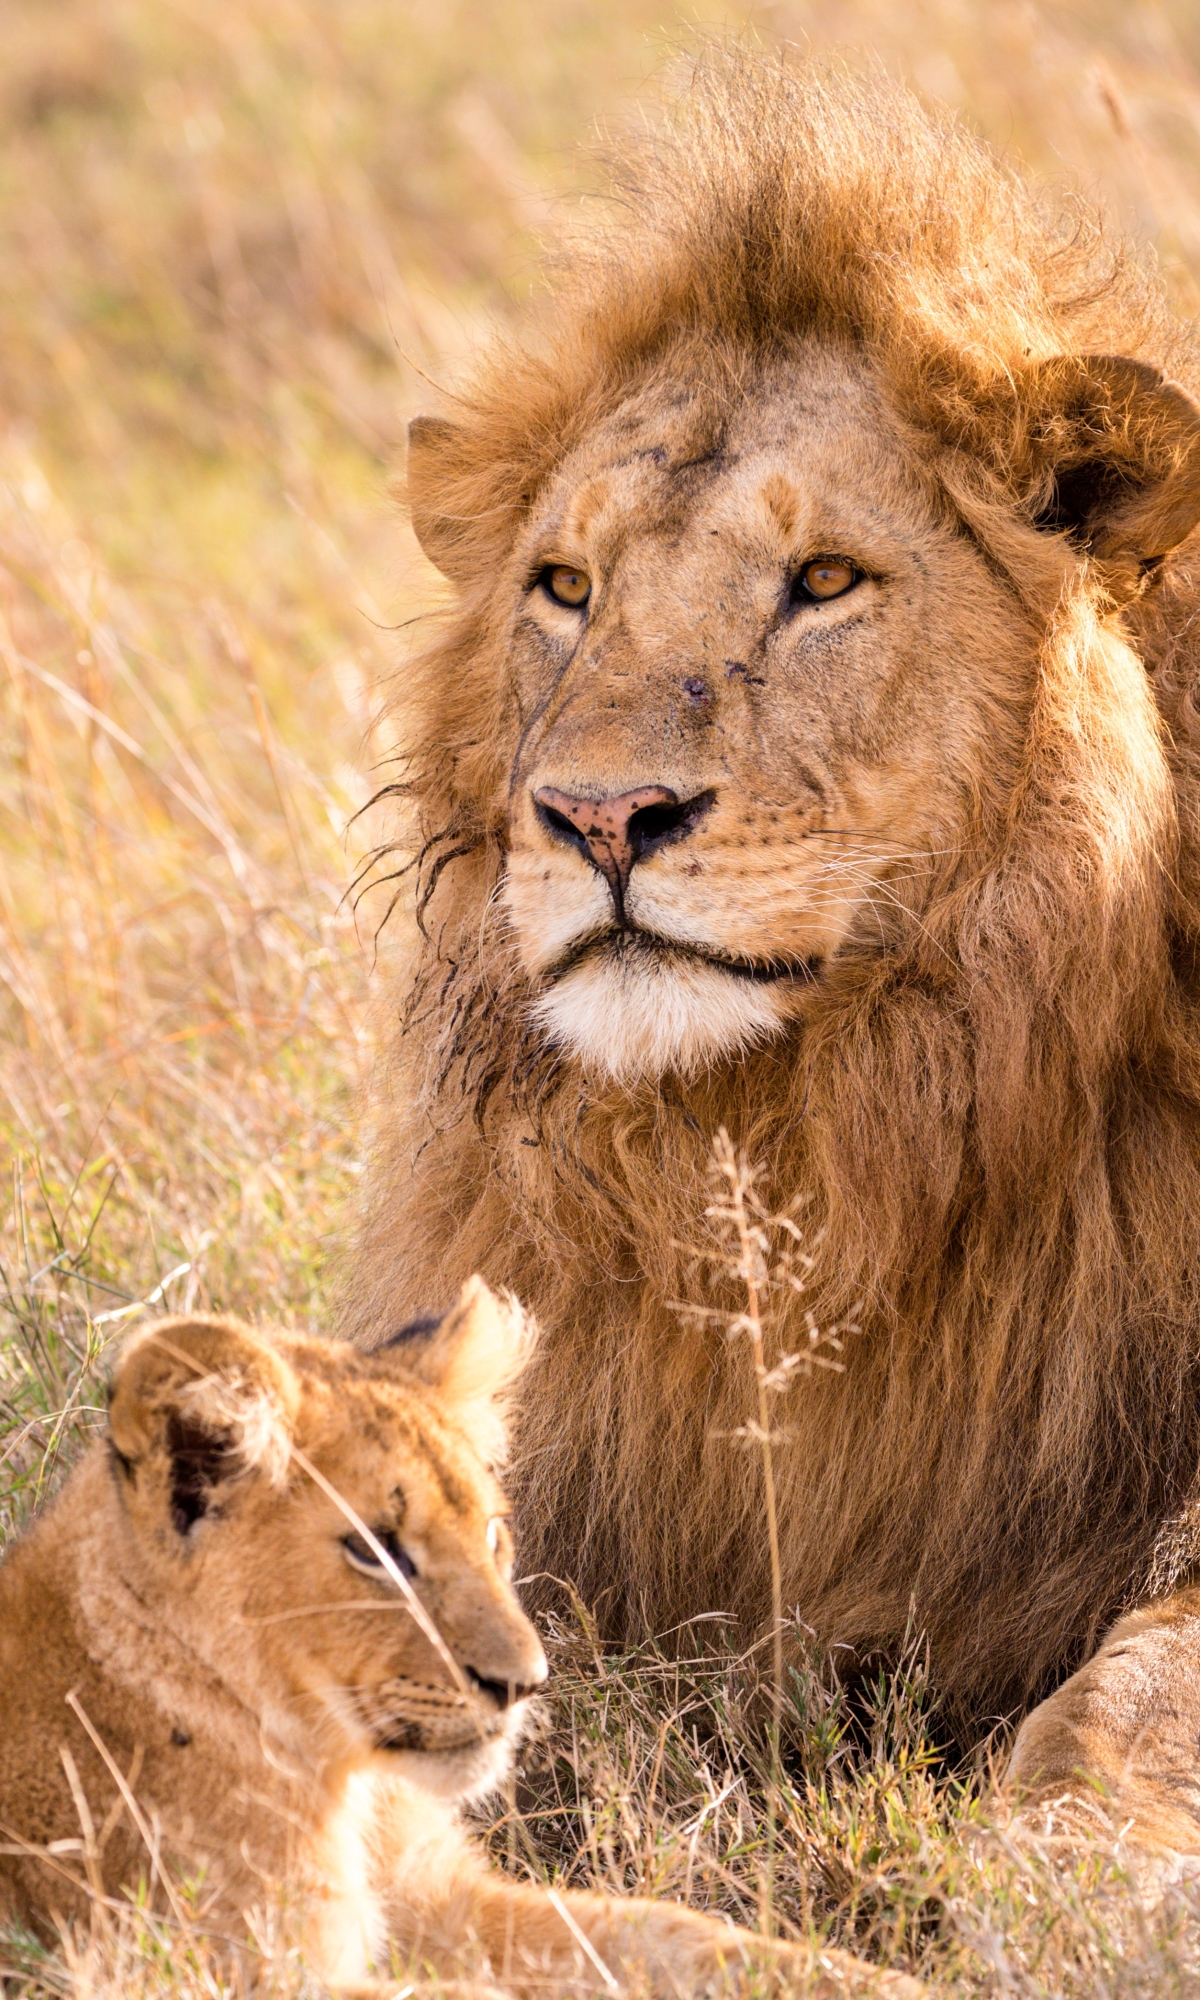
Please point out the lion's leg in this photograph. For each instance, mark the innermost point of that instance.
(535, 1943)
(1114, 1754)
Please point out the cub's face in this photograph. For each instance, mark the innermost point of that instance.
(321, 1528)
(405, 1642)
(763, 681)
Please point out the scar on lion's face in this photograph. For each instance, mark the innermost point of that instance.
(757, 674)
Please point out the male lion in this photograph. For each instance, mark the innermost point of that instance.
(268, 1632)
(812, 750)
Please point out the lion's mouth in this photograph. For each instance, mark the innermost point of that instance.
(401, 1736)
(416, 1736)
(649, 946)
(437, 1737)
(437, 1725)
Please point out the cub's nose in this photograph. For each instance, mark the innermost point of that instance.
(615, 832)
(504, 1692)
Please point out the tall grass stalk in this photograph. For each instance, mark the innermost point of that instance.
(738, 1215)
(761, 1252)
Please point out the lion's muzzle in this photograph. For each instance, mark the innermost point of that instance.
(614, 833)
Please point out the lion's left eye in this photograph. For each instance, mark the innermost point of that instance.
(566, 585)
(822, 578)
(495, 1531)
(362, 1556)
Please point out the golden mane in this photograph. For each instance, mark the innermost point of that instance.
(996, 1128)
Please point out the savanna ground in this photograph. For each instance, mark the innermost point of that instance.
(233, 238)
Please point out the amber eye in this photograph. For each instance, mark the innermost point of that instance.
(824, 577)
(566, 585)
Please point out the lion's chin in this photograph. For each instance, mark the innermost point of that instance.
(632, 1016)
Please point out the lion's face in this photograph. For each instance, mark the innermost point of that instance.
(762, 677)
(323, 1530)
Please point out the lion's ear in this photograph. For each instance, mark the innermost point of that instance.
(433, 462)
(1124, 481)
(473, 1360)
(197, 1404)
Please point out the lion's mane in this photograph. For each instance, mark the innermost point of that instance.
(994, 1128)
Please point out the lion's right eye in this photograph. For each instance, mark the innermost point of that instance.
(822, 578)
(565, 585)
(362, 1556)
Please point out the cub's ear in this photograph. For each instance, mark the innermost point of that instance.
(473, 1360)
(197, 1404)
(433, 475)
(1123, 481)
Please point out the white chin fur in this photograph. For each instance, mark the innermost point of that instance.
(460, 1776)
(632, 1019)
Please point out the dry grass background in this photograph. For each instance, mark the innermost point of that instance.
(233, 236)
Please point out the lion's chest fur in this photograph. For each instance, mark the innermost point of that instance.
(345, 1909)
(909, 1487)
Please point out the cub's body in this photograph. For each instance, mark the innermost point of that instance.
(176, 1667)
(265, 1643)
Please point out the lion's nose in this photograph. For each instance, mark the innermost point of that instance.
(505, 1692)
(615, 832)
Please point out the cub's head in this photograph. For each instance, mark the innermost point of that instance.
(769, 541)
(325, 1529)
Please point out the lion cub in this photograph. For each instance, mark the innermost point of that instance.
(268, 1629)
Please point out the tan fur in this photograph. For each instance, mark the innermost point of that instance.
(969, 790)
(1111, 1755)
(286, 1724)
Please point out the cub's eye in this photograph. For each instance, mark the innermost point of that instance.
(565, 585)
(361, 1556)
(824, 577)
(497, 1531)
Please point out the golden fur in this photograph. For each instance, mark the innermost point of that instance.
(948, 827)
(200, 1650)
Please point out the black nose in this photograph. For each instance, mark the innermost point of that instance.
(617, 831)
(503, 1693)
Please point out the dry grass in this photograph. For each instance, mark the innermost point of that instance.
(231, 239)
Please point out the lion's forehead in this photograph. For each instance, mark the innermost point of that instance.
(809, 451)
